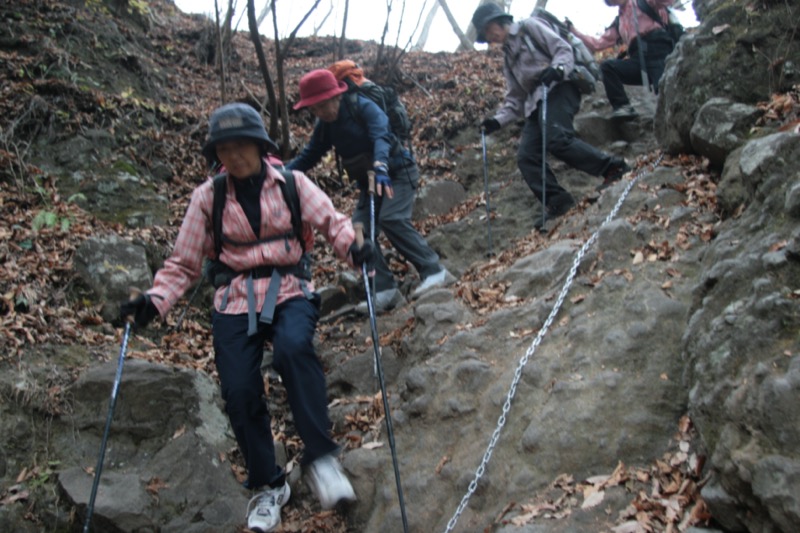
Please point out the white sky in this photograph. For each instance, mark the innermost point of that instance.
(367, 17)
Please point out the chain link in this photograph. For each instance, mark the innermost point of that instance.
(512, 390)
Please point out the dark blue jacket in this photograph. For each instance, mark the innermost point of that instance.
(352, 136)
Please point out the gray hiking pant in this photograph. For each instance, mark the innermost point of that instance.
(393, 217)
(563, 101)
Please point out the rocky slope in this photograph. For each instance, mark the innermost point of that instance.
(634, 368)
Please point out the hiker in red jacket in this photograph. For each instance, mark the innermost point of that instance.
(636, 29)
(268, 296)
(528, 67)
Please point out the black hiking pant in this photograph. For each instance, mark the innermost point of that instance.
(620, 72)
(238, 357)
(563, 101)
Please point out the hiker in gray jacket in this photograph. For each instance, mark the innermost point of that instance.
(534, 57)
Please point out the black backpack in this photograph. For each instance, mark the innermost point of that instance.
(384, 96)
(219, 274)
(289, 190)
(673, 28)
(586, 72)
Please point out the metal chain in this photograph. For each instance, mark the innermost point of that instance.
(542, 331)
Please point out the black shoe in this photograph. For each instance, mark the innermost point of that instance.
(555, 208)
(616, 169)
(624, 113)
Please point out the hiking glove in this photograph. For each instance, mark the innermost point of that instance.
(141, 308)
(383, 179)
(364, 255)
(490, 125)
(550, 75)
(383, 183)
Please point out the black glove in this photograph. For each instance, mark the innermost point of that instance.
(141, 308)
(365, 254)
(490, 125)
(550, 75)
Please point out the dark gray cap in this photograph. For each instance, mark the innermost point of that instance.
(235, 121)
(486, 14)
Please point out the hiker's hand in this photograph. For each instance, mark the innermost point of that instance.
(140, 308)
(364, 254)
(551, 75)
(490, 125)
(383, 183)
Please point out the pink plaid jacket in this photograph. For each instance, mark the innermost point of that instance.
(195, 242)
(627, 25)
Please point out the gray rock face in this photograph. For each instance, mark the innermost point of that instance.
(741, 350)
(163, 467)
(499, 386)
(721, 126)
(110, 267)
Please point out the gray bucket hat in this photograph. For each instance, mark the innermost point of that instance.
(486, 14)
(235, 121)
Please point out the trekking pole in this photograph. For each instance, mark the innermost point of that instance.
(371, 192)
(114, 390)
(376, 348)
(544, 155)
(640, 47)
(490, 253)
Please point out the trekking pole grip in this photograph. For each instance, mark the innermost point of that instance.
(371, 181)
(358, 228)
(133, 293)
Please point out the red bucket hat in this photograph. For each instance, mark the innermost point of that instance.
(317, 86)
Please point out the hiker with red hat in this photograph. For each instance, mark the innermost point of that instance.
(363, 139)
(267, 296)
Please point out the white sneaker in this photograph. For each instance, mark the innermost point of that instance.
(266, 513)
(329, 483)
(383, 301)
(440, 279)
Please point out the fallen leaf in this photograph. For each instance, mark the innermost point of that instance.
(593, 500)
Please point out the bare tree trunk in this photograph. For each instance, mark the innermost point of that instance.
(340, 53)
(466, 44)
(227, 29)
(318, 26)
(281, 51)
(284, 108)
(263, 14)
(262, 65)
(220, 56)
(426, 28)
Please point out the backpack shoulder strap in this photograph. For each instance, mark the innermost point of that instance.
(531, 43)
(351, 101)
(216, 211)
(289, 190)
(648, 10)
